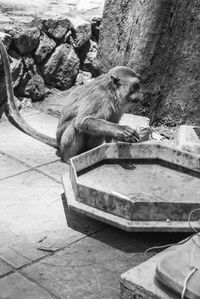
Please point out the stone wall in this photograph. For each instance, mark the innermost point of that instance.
(47, 52)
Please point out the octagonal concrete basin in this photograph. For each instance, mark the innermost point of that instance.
(142, 186)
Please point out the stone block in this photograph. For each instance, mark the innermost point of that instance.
(139, 282)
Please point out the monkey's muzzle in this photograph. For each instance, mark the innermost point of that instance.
(136, 97)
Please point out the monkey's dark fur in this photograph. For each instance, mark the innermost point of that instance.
(92, 112)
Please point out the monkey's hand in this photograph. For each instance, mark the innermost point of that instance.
(127, 134)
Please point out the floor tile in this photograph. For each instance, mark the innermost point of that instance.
(55, 169)
(17, 287)
(26, 148)
(9, 167)
(5, 268)
(32, 217)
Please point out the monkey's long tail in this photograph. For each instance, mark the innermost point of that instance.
(12, 113)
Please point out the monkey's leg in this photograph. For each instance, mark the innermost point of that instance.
(101, 127)
(71, 143)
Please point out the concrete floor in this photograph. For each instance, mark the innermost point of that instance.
(45, 250)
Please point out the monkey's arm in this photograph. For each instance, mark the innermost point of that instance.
(101, 127)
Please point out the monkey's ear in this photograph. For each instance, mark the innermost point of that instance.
(115, 79)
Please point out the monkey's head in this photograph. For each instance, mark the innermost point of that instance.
(126, 83)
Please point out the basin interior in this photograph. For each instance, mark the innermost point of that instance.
(156, 180)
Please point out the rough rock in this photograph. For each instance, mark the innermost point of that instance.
(17, 67)
(83, 77)
(25, 40)
(25, 103)
(28, 62)
(45, 47)
(95, 24)
(82, 30)
(55, 26)
(90, 60)
(31, 86)
(62, 67)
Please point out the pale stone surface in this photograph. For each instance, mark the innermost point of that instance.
(83, 77)
(17, 287)
(10, 167)
(139, 281)
(5, 268)
(15, 142)
(90, 268)
(188, 138)
(32, 216)
(55, 169)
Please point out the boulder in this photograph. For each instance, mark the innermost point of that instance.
(90, 59)
(55, 26)
(25, 40)
(83, 77)
(29, 62)
(17, 67)
(62, 67)
(82, 30)
(95, 24)
(32, 85)
(45, 47)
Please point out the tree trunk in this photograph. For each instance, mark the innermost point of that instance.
(161, 40)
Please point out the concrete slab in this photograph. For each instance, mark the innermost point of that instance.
(188, 138)
(55, 169)
(26, 148)
(17, 287)
(91, 268)
(139, 281)
(31, 210)
(10, 167)
(43, 122)
(5, 268)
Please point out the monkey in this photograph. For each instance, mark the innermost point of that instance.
(92, 112)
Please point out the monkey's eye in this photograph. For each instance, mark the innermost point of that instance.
(135, 87)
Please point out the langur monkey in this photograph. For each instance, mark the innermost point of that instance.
(91, 115)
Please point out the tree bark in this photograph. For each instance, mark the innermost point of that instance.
(160, 39)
